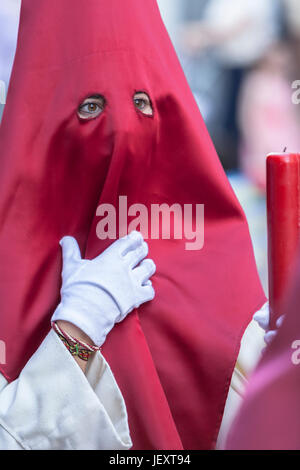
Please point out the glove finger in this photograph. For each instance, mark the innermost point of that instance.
(279, 321)
(147, 294)
(270, 336)
(145, 270)
(70, 249)
(262, 317)
(122, 246)
(133, 258)
(131, 242)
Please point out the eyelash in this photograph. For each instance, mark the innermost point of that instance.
(81, 108)
(140, 104)
(146, 102)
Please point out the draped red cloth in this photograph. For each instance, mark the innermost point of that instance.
(173, 358)
(269, 418)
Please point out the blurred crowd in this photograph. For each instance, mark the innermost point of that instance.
(241, 59)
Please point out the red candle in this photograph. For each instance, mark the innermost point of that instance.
(283, 223)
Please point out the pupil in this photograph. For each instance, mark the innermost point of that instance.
(139, 102)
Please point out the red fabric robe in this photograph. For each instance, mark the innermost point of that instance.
(173, 358)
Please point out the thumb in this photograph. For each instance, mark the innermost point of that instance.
(70, 249)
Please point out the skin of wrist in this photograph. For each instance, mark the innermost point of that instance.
(74, 331)
(77, 333)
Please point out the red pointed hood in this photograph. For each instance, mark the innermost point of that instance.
(173, 358)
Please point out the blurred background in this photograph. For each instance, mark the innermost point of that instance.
(240, 58)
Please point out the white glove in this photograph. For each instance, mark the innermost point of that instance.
(262, 317)
(98, 293)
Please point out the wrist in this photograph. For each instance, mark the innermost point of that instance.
(76, 341)
(74, 331)
(94, 323)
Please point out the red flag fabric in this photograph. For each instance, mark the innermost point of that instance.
(173, 358)
(269, 418)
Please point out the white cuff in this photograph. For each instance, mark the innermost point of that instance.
(53, 405)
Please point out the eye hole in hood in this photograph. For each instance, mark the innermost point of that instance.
(143, 103)
(94, 105)
(91, 107)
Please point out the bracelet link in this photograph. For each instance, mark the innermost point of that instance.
(75, 347)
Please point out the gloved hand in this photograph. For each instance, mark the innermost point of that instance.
(262, 317)
(98, 293)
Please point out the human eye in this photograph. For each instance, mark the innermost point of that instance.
(91, 107)
(143, 103)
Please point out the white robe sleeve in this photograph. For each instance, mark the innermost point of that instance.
(250, 352)
(54, 405)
